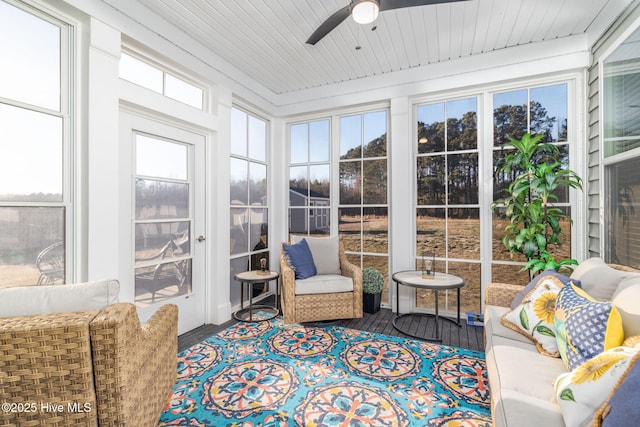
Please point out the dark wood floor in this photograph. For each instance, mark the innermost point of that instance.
(469, 337)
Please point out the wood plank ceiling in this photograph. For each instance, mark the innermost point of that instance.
(266, 38)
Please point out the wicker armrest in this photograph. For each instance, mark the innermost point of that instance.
(288, 291)
(501, 294)
(287, 275)
(134, 365)
(46, 360)
(350, 270)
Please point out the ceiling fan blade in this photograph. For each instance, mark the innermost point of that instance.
(332, 22)
(398, 4)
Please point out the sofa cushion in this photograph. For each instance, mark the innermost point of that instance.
(300, 259)
(521, 381)
(626, 299)
(564, 279)
(323, 284)
(583, 391)
(585, 327)
(324, 251)
(535, 314)
(598, 279)
(622, 404)
(31, 300)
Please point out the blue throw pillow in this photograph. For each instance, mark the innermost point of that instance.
(564, 279)
(622, 408)
(300, 259)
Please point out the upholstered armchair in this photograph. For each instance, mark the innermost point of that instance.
(97, 367)
(330, 294)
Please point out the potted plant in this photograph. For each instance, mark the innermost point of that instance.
(535, 223)
(372, 283)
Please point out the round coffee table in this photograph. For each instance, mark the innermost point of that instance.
(268, 311)
(441, 281)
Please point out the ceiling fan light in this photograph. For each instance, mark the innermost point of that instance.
(365, 11)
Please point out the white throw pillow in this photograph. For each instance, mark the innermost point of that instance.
(598, 279)
(324, 251)
(32, 300)
(627, 300)
(534, 316)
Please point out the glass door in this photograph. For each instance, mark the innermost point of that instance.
(167, 221)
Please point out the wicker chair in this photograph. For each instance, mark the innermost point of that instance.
(91, 368)
(321, 306)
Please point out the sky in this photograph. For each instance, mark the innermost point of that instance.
(31, 145)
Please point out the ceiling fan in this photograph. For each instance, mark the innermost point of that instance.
(365, 12)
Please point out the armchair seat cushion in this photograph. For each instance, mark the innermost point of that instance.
(323, 284)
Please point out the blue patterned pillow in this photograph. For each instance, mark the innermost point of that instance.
(584, 327)
(300, 259)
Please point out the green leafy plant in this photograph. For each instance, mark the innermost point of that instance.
(535, 223)
(372, 281)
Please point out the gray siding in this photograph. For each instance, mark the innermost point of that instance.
(594, 173)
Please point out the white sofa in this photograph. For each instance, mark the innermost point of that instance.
(520, 378)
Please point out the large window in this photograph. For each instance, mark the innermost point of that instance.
(363, 201)
(453, 202)
(448, 212)
(309, 181)
(249, 202)
(621, 148)
(35, 204)
(537, 110)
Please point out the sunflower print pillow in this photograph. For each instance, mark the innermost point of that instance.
(535, 314)
(582, 392)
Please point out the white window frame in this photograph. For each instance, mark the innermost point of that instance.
(332, 191)
(267, 206)
(67, 112)
(605, 162)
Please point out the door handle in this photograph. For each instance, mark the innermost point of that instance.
(200, 239)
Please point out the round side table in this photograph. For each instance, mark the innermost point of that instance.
(249, 314)
(441, 281)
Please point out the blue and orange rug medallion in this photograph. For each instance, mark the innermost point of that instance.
(268, 374)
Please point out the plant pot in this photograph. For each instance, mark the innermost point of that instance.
(371, 302)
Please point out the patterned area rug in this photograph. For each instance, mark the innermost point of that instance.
(272, 374)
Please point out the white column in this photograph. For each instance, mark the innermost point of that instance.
(279, 187)
(101, 175)
(218, 158)
(401, 203)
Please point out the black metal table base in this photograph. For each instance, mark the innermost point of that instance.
(249, 314)
(437, 338)
(435, 288)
